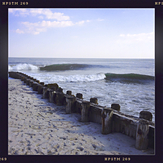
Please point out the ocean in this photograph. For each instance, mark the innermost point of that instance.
(128, 82)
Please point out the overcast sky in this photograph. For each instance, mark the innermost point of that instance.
(81, 33)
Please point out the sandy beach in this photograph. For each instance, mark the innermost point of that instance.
(37, 127)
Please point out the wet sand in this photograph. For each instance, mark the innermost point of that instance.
(37, 127)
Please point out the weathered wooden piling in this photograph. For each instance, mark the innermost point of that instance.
(42, 83)
(94, 100)
(70, 104)
(78, 104)
(40, 89)
(22, 78)
(142, 135)
(59, 89)
(146, 115)
(30, 77)
(59, 98)
(31, 83)
(52, 95)
(45, 93)
(115, 107)
(13, 75)
(69, 92)
(79, 95)
(106, 116)
(27, 81)
(53, 86)
(37, 81)
(35, 86)
(85, 111)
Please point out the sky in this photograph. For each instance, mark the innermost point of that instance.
(81, 33)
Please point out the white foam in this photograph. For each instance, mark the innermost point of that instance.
(76, 78)
(9, 68)
(23, 66)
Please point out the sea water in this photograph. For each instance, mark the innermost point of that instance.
(128, 82)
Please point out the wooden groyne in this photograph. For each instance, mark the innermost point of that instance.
(141, 128)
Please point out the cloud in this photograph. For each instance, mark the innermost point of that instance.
(61, 20)
(44, 25)
(36, 28)
(56, 23)
(35, 12)
(141, 37)
(41, 13)
(19, 12)
(49, 14)
(40, 17)
(100, 19)
(19, 31)
(122, 35)
(82, 22)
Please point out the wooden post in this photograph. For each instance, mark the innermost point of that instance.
(24, 79)
(52, 96)
(142, 135)
(45, 92)
(35, 86)
(60, 90)
(106, 115)
(115, 107)
(42, 83)
(94, 100)
(70, 104)
(40, 89)
(31, 83)
(59, 98)
(53, 86)
(69, 92)
(84, 111)
(79, 95)
(27, 81)
(146, 115)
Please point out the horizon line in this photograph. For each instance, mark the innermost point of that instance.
(78, 58)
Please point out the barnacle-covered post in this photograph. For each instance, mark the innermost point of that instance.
(106, 116)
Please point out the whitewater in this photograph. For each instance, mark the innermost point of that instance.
(128, 82)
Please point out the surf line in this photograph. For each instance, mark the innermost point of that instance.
(111, 119)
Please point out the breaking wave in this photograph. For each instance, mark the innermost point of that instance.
(75, 78)
(20, 67)
(63, 67)
(129, 78)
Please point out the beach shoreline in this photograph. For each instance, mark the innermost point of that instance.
(37, 127)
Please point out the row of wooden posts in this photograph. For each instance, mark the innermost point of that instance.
(110, 118)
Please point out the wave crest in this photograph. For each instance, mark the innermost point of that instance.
(63, 67)
(75, 78)
(20, 67)
(130, 78)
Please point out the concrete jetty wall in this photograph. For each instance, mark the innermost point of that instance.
(142, 129)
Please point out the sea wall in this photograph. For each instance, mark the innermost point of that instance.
(142, 129)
